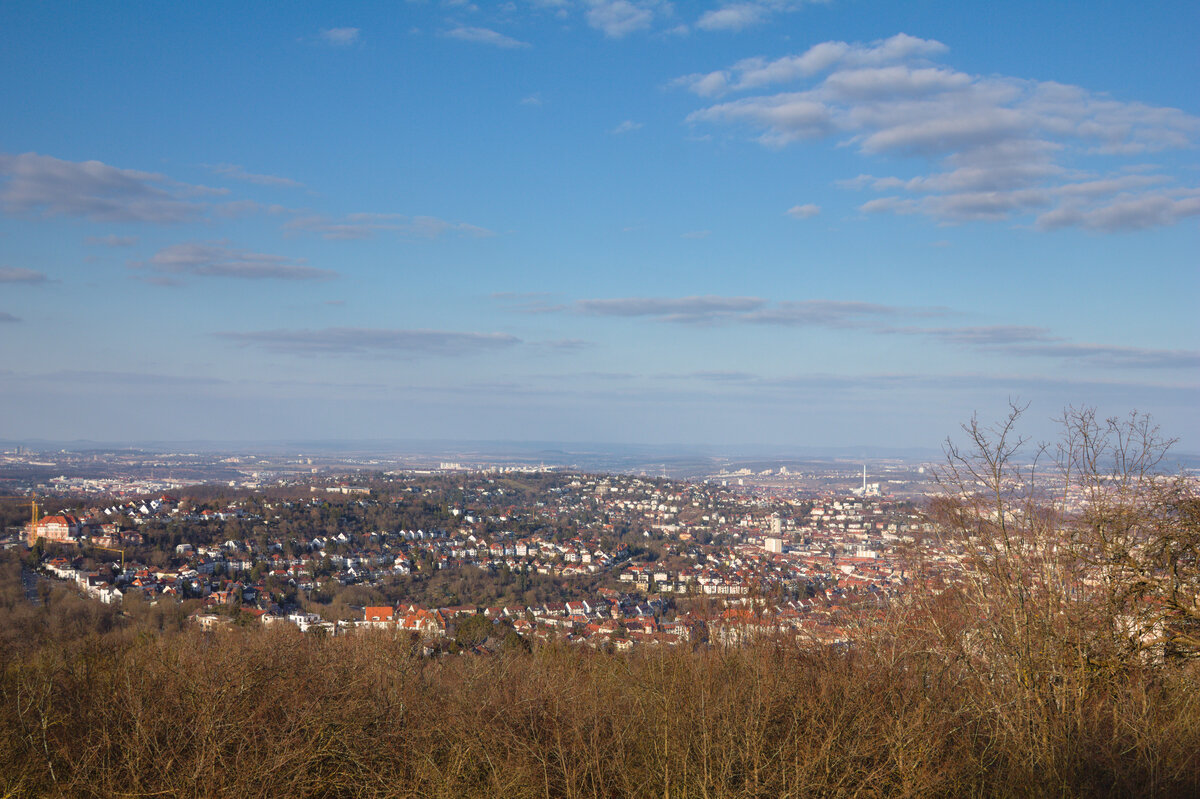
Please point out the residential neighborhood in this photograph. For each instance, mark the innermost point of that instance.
(606, 560)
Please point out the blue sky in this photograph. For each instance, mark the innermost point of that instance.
(812, 223)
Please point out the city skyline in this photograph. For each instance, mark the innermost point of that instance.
(817, 224)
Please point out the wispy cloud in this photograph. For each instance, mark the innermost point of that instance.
(703, 309)
(34, 183)
(111, 240)
(752, 385)
(5, 316)
(753, 310)
(372, 341)
(1015, 340)
(619, 18)
(715, 376)
(735, 16)
(836, 313)
(365, 225)
(744, 14)
(218, 259)
(1115, 357)
(142, 380)
(14, 274)
(1040, 342)
(564, 344)
(1002, 147)
(1126, 211)
(530, 302)
(237, 209)
(485, 36)
(628, 126)
(986, 336)
(239, 173)
(806, 211)
(758, 73)
(340, 37)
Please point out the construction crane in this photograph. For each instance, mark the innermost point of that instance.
(110, 549)
(33, 508)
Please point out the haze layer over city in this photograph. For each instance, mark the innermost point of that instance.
(755, 224)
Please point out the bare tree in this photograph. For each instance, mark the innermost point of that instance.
(1078, 557)
(1134, 528)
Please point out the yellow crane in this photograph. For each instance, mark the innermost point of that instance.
(110, 549)
(33, 508)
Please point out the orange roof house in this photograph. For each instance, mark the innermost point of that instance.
(379, 613)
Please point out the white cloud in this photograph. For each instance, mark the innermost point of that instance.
(372, 341)
(1125, 212)
(564, 344)
(340, 37)
(14, 274)
(239, 173)
(711, 84)
(899, 205)
(950, 131)
(986, 336)
(217, 259)
(431, 227)
(1040, 342)
(1114, 357)
(618, 18)
(528, 302)
(733, 17)
(1002, 148)
(236, 209)
(485, 36)
(365, 225)
(94, 190)
(834, 313)
(738, 16)
(806, 211)
(758, 73)
(628, 126)
(111, 240)
(873, 83)
(672, 309)
(786, 117)
(752, 310)
(984, 205)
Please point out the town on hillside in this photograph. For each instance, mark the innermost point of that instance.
(474, 558)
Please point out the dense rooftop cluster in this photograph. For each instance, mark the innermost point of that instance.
(603, 559)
